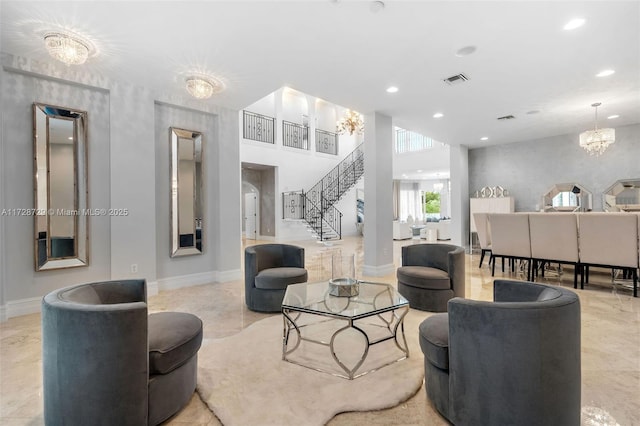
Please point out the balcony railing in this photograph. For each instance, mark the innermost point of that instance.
(293, 205)
(295, 135)
(326, 142)
(258, 127)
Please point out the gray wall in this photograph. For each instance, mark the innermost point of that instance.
(264, 180)
(20, 91)
(529, 169)
(122, 150)
(167, 116)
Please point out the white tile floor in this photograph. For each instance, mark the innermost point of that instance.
(610, 344)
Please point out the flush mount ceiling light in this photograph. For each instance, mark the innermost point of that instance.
(596, 141)
(573, 24)
(351, 123)
(438, 115)
(392, 89)
(68, 48)
(484, 138)
(203, 86)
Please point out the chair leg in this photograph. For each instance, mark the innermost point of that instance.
(635, 283)
(481, 257)
(575, 275)
(503, 264)
(493, 266)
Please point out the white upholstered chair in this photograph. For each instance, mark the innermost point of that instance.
(554, 238)
(484, 235)
(510, 238)
(610, 240)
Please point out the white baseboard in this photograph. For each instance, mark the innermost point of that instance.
(33, 305)
(232, 275)
(20, 307)
(152, 288)
(378, 271)
(181, 281)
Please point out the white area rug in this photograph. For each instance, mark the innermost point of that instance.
(244, 381)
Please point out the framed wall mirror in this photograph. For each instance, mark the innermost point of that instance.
(567, 197)
(624, 195)
(186, 192)
(60, 187)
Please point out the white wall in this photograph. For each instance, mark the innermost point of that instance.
(122, 174)
(433, 160)
(295, 168)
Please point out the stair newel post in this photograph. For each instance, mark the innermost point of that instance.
(321, 214)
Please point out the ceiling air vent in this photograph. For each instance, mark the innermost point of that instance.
(506, 117)
(456, 79)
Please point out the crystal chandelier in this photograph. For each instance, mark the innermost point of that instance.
(202, 87)
(68, 48)
(351, 122)
(597, 140)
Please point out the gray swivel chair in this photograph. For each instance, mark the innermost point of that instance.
(105, 361)
(268, 270)
(431, 274)
(515, 361)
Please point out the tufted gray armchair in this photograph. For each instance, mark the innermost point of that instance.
(268, 270)
(105, 361)
(431, 274)
(514, 361)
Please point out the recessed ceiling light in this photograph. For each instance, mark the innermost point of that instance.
(392, 89)
(419, 170)
(438, 115)
(484, 138)
(605, 73)
(573, 24)
(465, 51)
(70, 138)
(611, 117)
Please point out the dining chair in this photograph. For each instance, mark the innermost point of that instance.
(510, 239)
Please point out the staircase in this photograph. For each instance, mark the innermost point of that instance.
(317, 206)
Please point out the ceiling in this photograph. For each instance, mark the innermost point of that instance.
(348, 53)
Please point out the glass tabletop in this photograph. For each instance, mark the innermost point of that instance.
(372, 298)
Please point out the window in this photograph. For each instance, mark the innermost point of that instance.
(408, 141)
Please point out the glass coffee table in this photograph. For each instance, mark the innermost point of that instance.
(315, 322)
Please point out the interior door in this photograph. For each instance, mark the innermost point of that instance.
(251, 216)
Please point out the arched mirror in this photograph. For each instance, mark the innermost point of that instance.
(186, 192)
(60, 187)
(624, 195)
(567, 197)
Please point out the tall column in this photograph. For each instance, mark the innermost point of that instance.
(459, 169)
(378, 204)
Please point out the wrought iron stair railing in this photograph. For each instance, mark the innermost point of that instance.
(317, 206)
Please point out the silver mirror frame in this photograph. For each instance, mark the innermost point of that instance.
(584, 198)
(623, 195)
(47, 121)
(186, 192)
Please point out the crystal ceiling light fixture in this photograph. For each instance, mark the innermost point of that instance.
(68, 48)
(203, 86)
(351, 123)
(596, 141)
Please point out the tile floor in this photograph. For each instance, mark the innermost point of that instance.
(610, 345)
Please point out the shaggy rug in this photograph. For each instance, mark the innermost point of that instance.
(244, 381)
